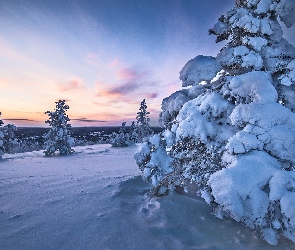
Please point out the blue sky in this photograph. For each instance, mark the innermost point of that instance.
(102, 56)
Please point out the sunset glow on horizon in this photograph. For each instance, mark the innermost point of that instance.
(102, 57)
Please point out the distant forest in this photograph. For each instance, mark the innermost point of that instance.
(23, 132)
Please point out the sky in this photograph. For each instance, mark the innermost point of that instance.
(102, 56)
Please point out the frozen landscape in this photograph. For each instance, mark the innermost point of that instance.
(225, 150)
(95, 199)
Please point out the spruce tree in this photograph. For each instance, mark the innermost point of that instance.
(133, 135)
(234, 135)
(256, 43)
(143, 127)
(10, 142)
(59, 137)
(120, 139)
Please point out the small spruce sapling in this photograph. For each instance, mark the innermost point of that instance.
(143, 128)
(120, 139)
(133, 135)
(10, 143)
(59, 137)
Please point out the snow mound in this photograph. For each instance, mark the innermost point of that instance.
(201, 68)
(251, 87)
(228, 57)
(252, 185)
(191, 123)
(241, 192)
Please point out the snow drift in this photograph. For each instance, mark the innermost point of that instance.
(95, 199)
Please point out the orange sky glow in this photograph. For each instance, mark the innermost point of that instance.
(102, 57)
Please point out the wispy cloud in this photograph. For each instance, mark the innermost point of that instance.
(133, 84)
(92, 56)
(24, 120)
(70, 86)
(4, 82)
(94, 59)
(151, 95)
(130, 74)
(122, 90)
(87, 120)
(114, 63)
(103, 104)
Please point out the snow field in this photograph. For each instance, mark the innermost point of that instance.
(95, 199)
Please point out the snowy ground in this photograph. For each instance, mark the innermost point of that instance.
(94, 199)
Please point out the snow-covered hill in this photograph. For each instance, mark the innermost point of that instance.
(95, 199)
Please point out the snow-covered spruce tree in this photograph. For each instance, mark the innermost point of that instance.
(133, 135)
(10, 143)
(143, 128)
(1, 139)
(120, 139)
(124, 138)
(235, 137)
(256, 43)
(186, 147)
(59, 137)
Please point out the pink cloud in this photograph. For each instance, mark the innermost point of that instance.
(92, 56)
(132, 85)
(88, 120)
(123, 90)
(129, 74)
(114, 63)
(4, 82)
(152, 95)
(68, 86)
(93, 59)
(129, 92)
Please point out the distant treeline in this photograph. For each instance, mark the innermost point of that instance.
(24, 132)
